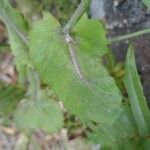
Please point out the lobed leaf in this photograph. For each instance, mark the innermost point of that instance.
(41, 113)
(98, 101)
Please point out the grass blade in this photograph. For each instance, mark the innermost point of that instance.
(138, 103)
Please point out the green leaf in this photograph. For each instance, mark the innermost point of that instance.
(124, 128)
(41, 113)
(9, 97)
(147, 3)
(146, 144)
(16, 27)
(90, 37)
(97, 100)
(138, 103)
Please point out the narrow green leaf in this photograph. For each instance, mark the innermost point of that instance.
(138, 103)
(9, 97)
(42, 113)
(99, 136)
(127, 122)
(147, 3)
(99, 99)
(124, 128)
(16, 27)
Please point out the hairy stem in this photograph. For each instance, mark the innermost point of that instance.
(77, 14)
(72, 52)
(71, 23)
(129, 36)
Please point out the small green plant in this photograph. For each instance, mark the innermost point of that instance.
(147, 3)
(56, 63)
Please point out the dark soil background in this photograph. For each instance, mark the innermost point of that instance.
(123, 17)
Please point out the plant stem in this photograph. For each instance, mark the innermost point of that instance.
(129, 36)
(77, 14)
(10, 23)
(34, 81)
